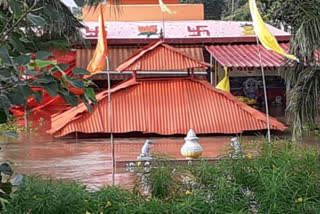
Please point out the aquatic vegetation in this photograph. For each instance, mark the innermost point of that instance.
(277, 178)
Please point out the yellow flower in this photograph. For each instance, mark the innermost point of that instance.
(182, 204)
(249, 155)
(109, 204)
(139, 163)
(299, 200)
(88, 212)
(188, 192)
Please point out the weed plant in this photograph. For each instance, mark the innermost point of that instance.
(280, 177)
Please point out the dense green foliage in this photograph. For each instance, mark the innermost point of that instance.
(283, 179)
(213, 9)
(8, 183)
(302, 19)
(28, 30)
(223, 9)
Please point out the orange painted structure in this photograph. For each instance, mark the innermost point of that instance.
(51, 104)
(40, 113)
(145, 12)
(158, 56)
(164, 106)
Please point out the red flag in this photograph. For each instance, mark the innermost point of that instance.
(98, 61)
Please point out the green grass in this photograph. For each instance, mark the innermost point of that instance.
(271, 182)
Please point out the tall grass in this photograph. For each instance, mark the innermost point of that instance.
(281, 178)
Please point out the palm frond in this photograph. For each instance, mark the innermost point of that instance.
(61, 24)
(304, 97)
(303, 80)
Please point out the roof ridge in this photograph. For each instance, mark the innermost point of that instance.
(141, 52)
(137, 57)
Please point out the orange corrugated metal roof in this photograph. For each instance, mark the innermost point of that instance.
(159, 56)
(118, 54)
(164, 106)
(247, 55)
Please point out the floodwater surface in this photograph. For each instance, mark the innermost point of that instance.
(89, 161)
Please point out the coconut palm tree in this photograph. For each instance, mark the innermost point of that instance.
(302, 19)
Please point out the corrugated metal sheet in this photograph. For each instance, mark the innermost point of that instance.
(194, 51)
(119, 54)
(164, 106)
(246, 55)
(159, 56)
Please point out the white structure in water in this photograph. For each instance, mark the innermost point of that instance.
(144, 155)
(191, 148)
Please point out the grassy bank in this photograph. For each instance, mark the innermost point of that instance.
(285, 178)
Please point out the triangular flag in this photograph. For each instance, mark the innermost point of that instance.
(98, 61)
(224, 84)
(262, 32)
(164, 8)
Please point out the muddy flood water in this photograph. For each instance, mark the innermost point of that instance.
(88, 161)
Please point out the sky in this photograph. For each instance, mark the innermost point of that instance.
(69, 2)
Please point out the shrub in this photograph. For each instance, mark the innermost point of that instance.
(281, 178)
(36, 195)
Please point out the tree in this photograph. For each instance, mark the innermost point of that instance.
(238, 13)
(212, 8)
(302, 19)
(236, 10)
(240, 10)
(29, 30)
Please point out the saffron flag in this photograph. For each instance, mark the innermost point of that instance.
(224, 84)
(262, 32)
(98, 61)
(164, 8)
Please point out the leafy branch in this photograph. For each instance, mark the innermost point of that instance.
(5, 33)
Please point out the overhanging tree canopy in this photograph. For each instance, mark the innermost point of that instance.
(29, 30)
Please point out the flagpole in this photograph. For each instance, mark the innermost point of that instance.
(163, 26)
(110, 122)
(270, 43)
(265, 92)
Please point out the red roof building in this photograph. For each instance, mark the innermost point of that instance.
(164, 106)
(158, 56)
(194, 40)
